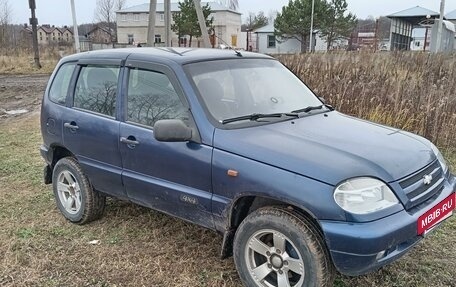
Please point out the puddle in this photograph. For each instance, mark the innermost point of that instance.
(16, 112)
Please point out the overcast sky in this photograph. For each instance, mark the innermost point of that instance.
(58, 12)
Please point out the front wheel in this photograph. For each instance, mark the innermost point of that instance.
(275, 247)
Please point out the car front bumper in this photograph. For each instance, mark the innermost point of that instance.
(359, 248)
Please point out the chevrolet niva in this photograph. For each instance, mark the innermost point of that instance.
(235, 142)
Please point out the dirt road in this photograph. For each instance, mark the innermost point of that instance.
(21, 95)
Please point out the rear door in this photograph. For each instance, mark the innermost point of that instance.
(91, 127)
(172, 177)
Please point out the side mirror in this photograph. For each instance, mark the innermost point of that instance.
(172, 131)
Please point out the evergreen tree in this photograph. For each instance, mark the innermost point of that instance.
(294, 20)
(255, 21)
(186, 21)
(338, 24)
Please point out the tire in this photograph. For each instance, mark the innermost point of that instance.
(276, 247)
(74, 195)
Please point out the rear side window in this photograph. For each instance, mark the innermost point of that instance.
(152, 97)
(96, 90)
(61, 83)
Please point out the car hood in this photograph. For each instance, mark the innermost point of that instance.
(330, 147)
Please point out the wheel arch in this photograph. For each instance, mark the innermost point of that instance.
(55, 153)
(246, 204)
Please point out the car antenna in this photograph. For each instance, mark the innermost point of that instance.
(212, 32)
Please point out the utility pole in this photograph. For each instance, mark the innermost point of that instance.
(34, 23)
(312, 26)
(168, 23)
(77, 46)
(202, 23)
(376, 34)
(440, 26)
(152, 20)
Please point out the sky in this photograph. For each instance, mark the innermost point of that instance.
(57, 12)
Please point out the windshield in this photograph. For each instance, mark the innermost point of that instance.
(236, 88)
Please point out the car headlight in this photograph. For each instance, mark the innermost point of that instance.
(364, 195)
(440, 158)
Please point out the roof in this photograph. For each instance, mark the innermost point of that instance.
(181, 56)
(450, 26)
(144, 8)
(451, 15)
(102, 28)
(417, 11)
(47, 28)
(266, 29)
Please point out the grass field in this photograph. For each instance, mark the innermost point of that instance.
(21, 61)
(141, 247)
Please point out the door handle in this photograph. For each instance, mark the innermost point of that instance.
(71, 126)
(130, 141)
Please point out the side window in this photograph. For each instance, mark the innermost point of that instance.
(61, 83)
(96, 89)
(151, 97)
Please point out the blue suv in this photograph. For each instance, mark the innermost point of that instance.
(235, 142)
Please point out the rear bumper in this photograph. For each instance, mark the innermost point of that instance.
(44, 151)
(47, 171)
(359, 248)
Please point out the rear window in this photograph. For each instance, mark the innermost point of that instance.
(96, 90)
(61, 83)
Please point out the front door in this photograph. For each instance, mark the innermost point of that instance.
(171, 177)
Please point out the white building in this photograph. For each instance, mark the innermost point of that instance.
(452, 18)
(267, 42)
(133, 22)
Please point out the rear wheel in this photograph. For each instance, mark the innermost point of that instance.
(75, 197)
(276, 247)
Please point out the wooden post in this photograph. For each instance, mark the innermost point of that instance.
(425, 39)
(34, 23)
(376, 35)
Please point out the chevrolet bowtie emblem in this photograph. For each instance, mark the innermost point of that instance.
(427, 179)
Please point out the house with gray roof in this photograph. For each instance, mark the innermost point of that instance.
(451, 16)
(133, 22)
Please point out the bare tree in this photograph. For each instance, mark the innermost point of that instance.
(120, 4)
(106, 12)
(5, 20)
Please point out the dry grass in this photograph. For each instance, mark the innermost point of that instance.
(21, 61)
(141, 247)
(411, 91)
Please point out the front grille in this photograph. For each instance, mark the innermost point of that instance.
(415, 188)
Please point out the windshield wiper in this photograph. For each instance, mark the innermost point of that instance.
(313, 108)
(309, 109)
(255, 117)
